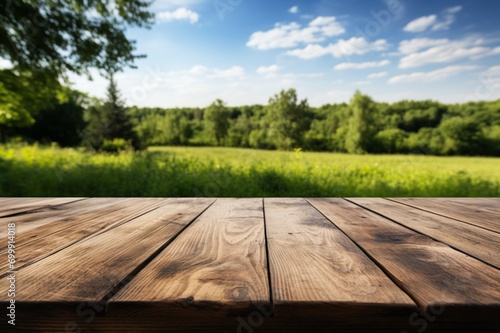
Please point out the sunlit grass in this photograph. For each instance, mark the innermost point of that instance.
(227, 172)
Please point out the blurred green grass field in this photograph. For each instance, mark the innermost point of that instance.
(228, 172)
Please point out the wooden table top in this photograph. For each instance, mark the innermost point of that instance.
(251, 265)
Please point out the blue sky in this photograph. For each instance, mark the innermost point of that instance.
(245, 51)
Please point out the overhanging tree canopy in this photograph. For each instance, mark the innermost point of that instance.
(46, 39)
(57, 36)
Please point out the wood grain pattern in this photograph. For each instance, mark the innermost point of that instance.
(75, 225)
(12, 206)
(89, 270)
(313, 262)
(475, 241)
(65, 216)
(478, 212)
(217, 265)
(170, 265)
(434, 274)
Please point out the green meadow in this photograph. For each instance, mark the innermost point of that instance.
(229, 172)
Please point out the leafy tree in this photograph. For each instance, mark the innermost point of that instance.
(428, 141)
(360, 134)
(110, 121)
(46, 39)
(287, 119)
(491, 144)
(72, 35)
(415, 119)
(240, 130)
(463, 136)
(63, 123)
(390, 141)
(217, 120)
(326, 129)
(23, 95)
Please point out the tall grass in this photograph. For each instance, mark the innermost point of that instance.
(225, 172)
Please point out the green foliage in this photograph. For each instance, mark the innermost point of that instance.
(226, 172)
(109, 121)
(217, 120)
(60, 36)
(418, 127)
(62, 123)
(390, 140)
(173, 128)
(286, 120)
(239, 132)
(360, 133)
(462, 136)
(46, 39)
(116, 145)
(23, 95)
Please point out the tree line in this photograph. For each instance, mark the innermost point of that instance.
(360, 126)
(71, 118)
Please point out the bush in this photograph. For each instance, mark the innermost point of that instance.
(117, 145)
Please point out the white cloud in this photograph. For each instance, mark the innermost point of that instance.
(362, 83)
(445, 51)
(322, 20)
(363, 65)
(446, 19)
(435, 75)
(377, 75)
(454, 10)
(293, 34)
(178, 14)
(417, 44)
(294, 10)
(354, 45)
(449, 18)
(235, 71)
(268, 69)
(490, 80)
(328, 25)
(198, 69)
(421, 24)
(492, 71)
(303, 75)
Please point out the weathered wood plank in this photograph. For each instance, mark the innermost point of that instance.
(475, 241)
(217, 265)
(19, 205)
(316, 270)
(76, 225)
(478, 212)
(490, 204)
(65, 215)
(89, 270)
(435, 275)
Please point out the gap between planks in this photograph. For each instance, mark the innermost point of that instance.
(59, 233)
(433, 272)
(38, 204)
(421, 205)
(73, 286)
(479, 243)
